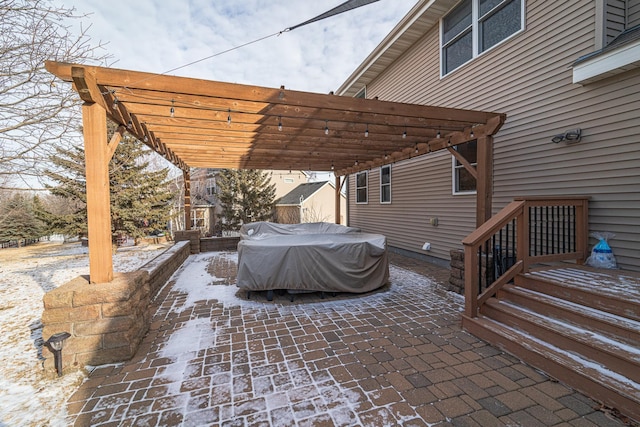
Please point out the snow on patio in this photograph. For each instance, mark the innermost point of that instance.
(26, 274)
(278, 377)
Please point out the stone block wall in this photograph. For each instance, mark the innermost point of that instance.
(164, 265)
(107, 321)
(193, 236)
(214, 244)
(456, 276)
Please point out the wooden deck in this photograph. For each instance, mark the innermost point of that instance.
(578, 324)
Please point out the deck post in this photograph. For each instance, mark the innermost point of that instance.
(97, 157)
(484, 183)
(338, 199)
(187, 199)
(471, 286)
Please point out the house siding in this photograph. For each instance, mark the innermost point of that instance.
(529, 77)
(633, 13)
(616, 17)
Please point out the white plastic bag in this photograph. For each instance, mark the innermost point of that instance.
(601, 254)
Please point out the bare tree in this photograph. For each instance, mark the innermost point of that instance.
(36, 113)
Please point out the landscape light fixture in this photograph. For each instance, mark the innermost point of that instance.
(55, 344)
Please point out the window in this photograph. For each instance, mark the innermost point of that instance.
(211, 187)
(475, 26)
(197, 218)
(463, 181)
(385, 184)
(362, 179)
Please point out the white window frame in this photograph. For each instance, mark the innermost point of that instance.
(365, 187)
(475, 32)
(382, 185)
(454, 177)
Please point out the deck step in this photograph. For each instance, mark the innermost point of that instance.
(583, 374)
(626, 329)
(611, 292)
(622, 357)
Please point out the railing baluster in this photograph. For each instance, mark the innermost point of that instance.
(479, 269)
(552, 226)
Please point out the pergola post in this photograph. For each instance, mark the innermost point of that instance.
(187, 199)
(97, 157)
(338, 199)
(484, 183)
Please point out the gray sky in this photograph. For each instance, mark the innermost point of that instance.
(160, 35)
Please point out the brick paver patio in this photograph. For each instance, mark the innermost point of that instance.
(395, 357)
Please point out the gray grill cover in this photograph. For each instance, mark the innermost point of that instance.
(311, 257)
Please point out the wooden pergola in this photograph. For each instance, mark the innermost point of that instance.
(209, 124)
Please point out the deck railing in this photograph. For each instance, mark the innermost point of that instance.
(527, 231)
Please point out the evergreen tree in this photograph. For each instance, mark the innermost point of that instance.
(72, 187)
(18, 220)
(140, 197)
(245, 196)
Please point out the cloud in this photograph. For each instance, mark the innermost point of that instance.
(157, 36)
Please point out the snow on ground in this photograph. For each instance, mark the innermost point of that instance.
(26, 274)
(198, 333)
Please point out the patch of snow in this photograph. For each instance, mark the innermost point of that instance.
(28, 397)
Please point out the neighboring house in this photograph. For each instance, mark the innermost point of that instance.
(551, 67)
(286, 181)
(205, 208)
(310, 202)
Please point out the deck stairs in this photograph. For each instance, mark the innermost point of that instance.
(577, 324)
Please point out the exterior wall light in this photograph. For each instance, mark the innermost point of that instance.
(574, 135)
(55, 344)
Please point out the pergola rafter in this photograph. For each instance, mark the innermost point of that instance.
(269, 122)
(208, 124)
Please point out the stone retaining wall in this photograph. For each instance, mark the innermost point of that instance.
(206, 244)
(164, 265)
(456, 277)
(193, 236)
(107, 321)
(215, 244)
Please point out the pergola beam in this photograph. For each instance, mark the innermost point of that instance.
(201, 111)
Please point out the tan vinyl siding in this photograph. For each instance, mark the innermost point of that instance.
(633, 13)
(530, 79)
(418, 194)
(615, 17)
